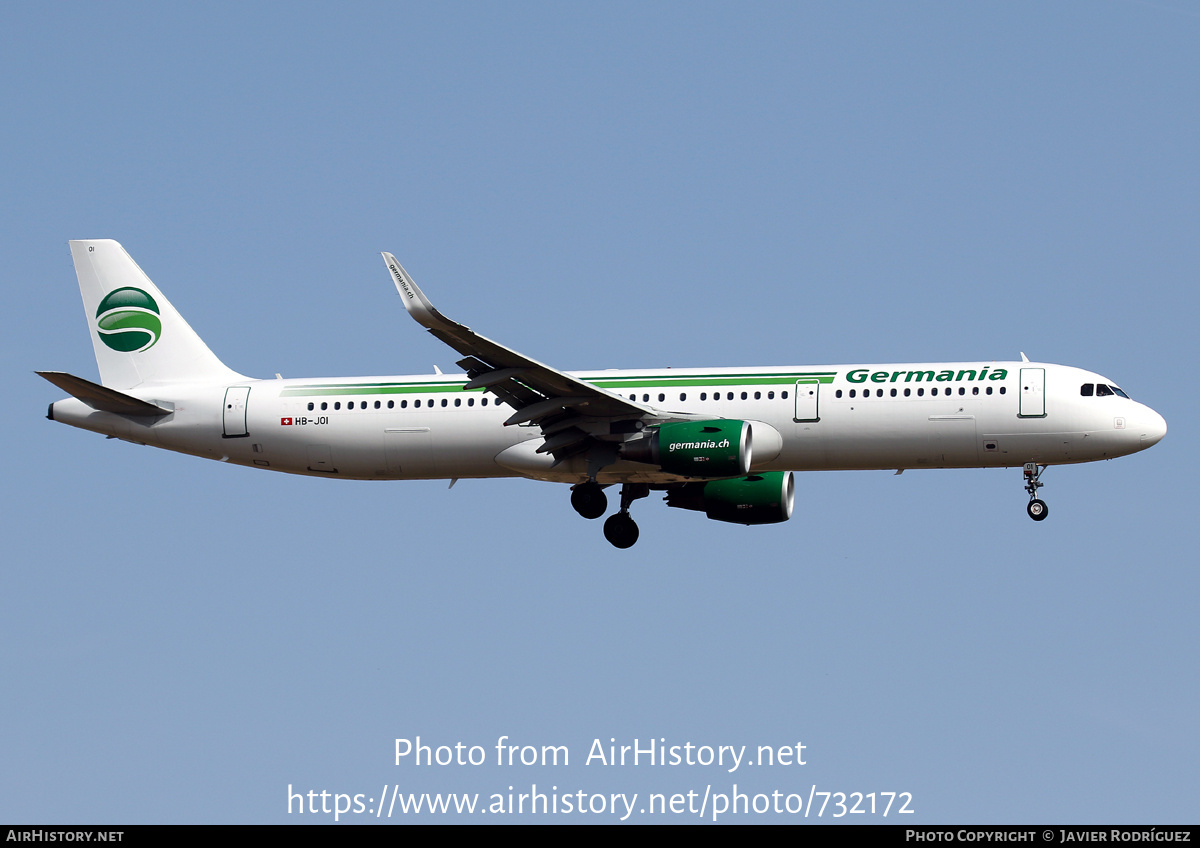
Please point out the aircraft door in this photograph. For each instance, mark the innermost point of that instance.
(1033, 393)
(233, 416)
(320, 458)
(807, 395)
(408, 452)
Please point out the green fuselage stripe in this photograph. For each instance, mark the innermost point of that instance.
(375, 389)
(632, 382)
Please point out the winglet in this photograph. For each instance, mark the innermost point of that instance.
(415, 301)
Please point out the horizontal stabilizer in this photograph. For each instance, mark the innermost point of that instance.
(101, 398)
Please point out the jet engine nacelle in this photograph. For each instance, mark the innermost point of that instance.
(756, 499)
(704, 449)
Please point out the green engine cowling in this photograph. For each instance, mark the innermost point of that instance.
(755, 499)
(705, 449)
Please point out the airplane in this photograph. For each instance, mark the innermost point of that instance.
(722, 441)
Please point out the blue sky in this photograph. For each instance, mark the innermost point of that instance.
(606, 186)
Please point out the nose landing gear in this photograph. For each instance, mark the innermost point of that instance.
(1037, 508)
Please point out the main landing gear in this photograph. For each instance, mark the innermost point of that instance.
(589, 500)
(620, 529)
(1037, 508)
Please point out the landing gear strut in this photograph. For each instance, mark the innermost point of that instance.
(589, 499)
(1037, 508)
(620, 529)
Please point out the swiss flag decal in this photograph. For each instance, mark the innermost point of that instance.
(286, 422)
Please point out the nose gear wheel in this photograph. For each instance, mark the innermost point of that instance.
(1037, 508)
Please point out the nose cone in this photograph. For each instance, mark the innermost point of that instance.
(1153, 428)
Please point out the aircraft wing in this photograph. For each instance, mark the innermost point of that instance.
(569, 411)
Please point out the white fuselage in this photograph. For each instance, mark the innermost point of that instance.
(931, 415)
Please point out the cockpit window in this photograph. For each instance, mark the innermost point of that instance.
(1101, 390)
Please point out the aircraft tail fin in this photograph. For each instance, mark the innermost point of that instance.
(136, 332)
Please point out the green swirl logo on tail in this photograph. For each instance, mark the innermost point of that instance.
(127, 320)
